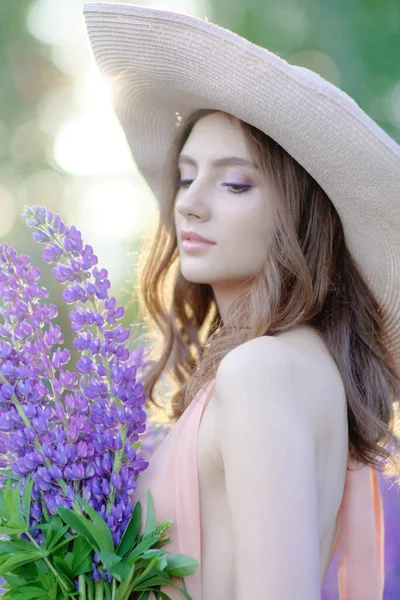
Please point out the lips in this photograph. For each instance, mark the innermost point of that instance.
(194, 237)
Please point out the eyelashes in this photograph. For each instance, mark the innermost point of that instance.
(236, 188)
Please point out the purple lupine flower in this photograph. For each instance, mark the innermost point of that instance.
(65, 428)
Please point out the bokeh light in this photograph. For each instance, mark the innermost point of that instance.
(7, 210)
(86, 144)
(55, 22)
(116, 208)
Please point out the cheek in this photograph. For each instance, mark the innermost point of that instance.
(249, 226)
(249, 239)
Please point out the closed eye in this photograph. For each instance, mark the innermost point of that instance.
(240, 188)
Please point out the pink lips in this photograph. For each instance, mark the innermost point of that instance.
(195, 245)
(189, 234)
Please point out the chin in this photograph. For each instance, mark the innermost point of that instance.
(195, 278)
(195, 274)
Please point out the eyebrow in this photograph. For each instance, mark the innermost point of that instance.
(220, 162)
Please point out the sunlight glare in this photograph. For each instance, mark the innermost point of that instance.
(86, 144)
(93, 140)
(56, 22)
(115, 208)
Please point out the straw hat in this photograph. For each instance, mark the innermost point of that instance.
(163, 65)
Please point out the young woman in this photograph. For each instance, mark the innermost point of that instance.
(281, 327)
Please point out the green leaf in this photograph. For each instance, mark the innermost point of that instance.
(182, 590)
(27, 571)
(7, 548)
(109, 559)
(80, 524)
(42, 526)
(16, 560)
(56, 549)
(63, 568)
(4, 513)
(120, 571)
(152, 579)
(146, 573)
(101, 531)
(30, 592)
(144, 545)
(162, 562)
(10, 530)
(163, 542)
(151, 521)
(8, 492)
(16, 514)
(15, 546)
(82, 553)
(84, 567)
(130, 535)
(14, 580)
(112, 562)
(152, 553)
(53, 528)
(69, 557)
(26, 496)
(180, 565)
(125, 587)
(44, 574)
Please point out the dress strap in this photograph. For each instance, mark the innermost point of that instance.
(184, 479)
(208, 388)
(360, 542)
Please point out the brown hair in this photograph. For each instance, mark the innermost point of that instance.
(309, 278)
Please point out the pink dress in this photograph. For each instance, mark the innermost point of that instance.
(173, 479)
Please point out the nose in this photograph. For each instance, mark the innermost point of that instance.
(190, 202)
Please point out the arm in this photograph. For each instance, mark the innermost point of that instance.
(267, 445)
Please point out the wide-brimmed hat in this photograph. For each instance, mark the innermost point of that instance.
(164, 65)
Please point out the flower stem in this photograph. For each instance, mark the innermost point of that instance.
(82, 587)
(44, 507)
(99, 590)
(117, 466)
(91, 591)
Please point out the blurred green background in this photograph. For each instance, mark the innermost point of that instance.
(62, 147)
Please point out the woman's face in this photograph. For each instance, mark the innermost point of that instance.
(225, 203)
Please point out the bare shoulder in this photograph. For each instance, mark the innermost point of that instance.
(296, 365)
(274, 397)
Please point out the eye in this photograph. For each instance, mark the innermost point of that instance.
(236, 188)
(184, 182)
(240, 188)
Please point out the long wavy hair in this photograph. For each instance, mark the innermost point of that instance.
(308, 278)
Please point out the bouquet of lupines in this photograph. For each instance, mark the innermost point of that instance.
(70, 440)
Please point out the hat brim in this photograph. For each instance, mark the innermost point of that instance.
(163, 65)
